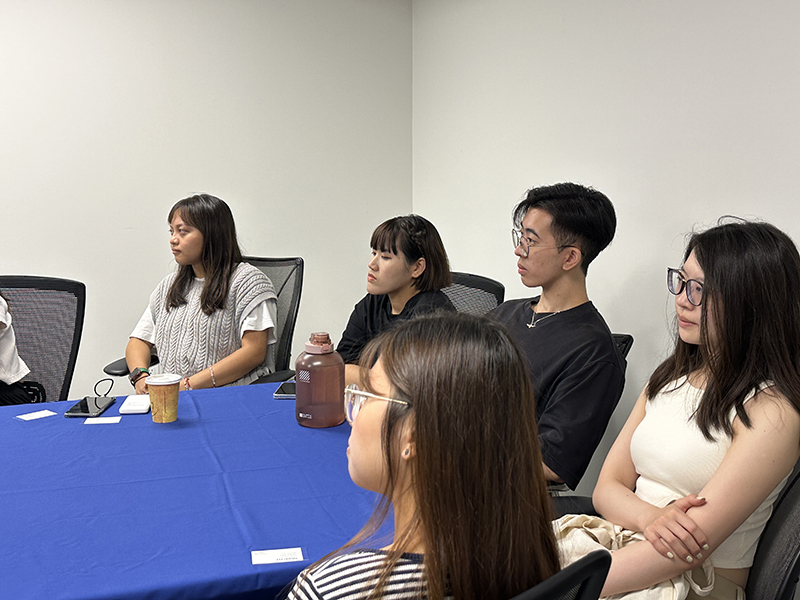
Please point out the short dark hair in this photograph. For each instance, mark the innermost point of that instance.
(416, 238)
(581, 215)
(221, 252)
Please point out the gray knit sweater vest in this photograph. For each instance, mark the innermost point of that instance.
(188, 340)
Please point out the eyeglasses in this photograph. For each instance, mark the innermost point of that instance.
(527, 243)
(354, 399)
(676, 282)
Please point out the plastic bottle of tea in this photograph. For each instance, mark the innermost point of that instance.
(319, 372)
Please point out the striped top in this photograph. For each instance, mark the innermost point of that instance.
(353, 576)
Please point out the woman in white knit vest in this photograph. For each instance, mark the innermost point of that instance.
(213, 320)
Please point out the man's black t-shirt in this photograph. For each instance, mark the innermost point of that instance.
(577, 374)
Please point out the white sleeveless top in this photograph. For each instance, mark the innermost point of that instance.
(673, 459)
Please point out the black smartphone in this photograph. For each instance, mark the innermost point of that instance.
(90, 406)
(286, 390)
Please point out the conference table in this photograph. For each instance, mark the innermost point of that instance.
(134, 509)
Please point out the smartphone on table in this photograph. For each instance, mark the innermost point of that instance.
(90, 406)
(286, 391)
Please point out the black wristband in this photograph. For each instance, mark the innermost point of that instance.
(137, 374)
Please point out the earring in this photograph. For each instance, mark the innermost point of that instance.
(407, 452)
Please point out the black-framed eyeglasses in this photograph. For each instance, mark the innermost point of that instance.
(676, 283)
(519, 239)
(354, 399)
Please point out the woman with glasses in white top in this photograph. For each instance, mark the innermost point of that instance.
(446, 433)
(716, 431)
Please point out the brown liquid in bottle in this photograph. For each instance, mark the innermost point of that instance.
(319, 401)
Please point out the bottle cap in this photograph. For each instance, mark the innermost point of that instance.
(319, 343)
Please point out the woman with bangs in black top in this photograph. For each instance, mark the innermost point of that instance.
(406, 272)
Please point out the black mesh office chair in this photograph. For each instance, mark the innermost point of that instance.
(776, 566)
(286, 275)
(474, 294)
(582, 580)
(47, 318)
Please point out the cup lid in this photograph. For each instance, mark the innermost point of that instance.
(163, 379)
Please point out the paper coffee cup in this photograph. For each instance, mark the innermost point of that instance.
(163, 390)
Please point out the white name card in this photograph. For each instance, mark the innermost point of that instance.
(36, 415)
(101, 420)
(281, 555)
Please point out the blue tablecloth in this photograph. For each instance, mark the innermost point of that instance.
(144, 510)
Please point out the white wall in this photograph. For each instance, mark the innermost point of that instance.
(297, 113)
(679, 111)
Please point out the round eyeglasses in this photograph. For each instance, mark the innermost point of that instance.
(676, 282)
(354, 399)
(527, 244)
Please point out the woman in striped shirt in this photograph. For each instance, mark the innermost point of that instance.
(446, 433)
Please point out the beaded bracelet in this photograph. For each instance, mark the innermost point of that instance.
(213, 379)
(186, 384)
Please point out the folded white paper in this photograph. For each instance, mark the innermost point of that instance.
(36, 415)
(281, 555)
(101, 420)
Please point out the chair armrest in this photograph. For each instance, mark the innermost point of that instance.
(276, 376)
(573, 505)
(119, 368)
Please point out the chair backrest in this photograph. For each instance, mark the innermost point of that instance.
(286, 275)
(47, 316)
(582, 580)
(776, 566)
(474, 294)
(624, 341)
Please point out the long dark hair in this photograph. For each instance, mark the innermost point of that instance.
(221, 252)
(416, 237)
(482, 508)
(750, 323)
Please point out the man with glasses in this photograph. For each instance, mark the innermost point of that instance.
(577, 372)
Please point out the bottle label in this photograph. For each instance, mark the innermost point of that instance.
(304, 415)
